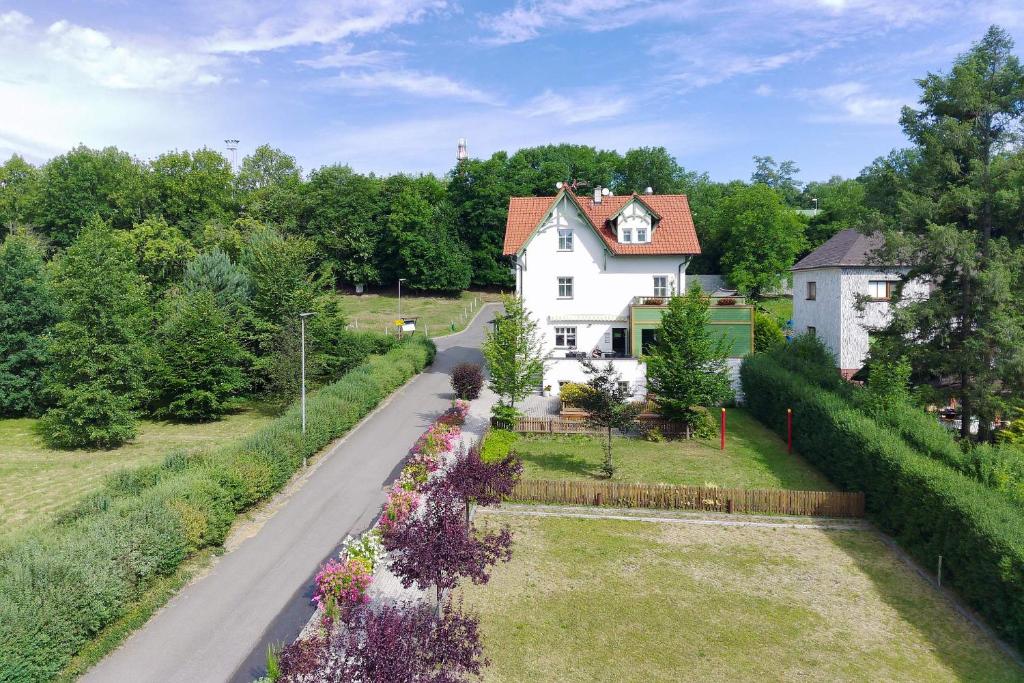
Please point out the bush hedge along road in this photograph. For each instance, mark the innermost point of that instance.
(929, 507)
(61, 584)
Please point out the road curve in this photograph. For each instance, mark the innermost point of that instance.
(217, 628)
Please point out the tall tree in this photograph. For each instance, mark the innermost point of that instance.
(214, 272)
(760, 239)
(85, 182)
(652, 167)
(19, 181)
(514, 351)
(971, 327)
(191, 188)
(98, 359)
(432, 257)
(161, 252)
(269, 186)
(480, 191)
(841, 204)
(28, 310)
(198, 375)
(687, 364)
(778, 175)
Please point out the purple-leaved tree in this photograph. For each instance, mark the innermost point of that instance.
(483, 483)
(403, 643)
(437, 547)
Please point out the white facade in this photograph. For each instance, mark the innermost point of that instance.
(826, 300)
(580, 292)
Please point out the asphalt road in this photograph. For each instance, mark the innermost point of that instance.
(217, 628)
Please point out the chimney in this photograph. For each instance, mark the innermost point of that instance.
(597, 194)
(462, 154)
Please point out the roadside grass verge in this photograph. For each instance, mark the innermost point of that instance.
(38, 482)
(754, 457)
(62, 584)
(608, 600)
(374, 312)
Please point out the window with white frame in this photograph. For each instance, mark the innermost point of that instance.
(565, 239)
(880, 290)
(565, 288)
(625, 388)
(627, 235)
(660, 285)
(565, 337)
(641, 234)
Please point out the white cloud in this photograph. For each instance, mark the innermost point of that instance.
(764, 90)
(709, 67)
(95, 55)
(410, 82)
(318, 23)
(578, 106)
(528, 19)
(343, 57)
(14, 22)
(851, 102)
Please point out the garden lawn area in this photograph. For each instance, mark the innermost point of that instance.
(780, 307)
(375, 311)
(36, 481)
(754, 457)
(609, 600)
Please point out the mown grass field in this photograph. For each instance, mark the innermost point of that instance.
(754, 457)
(607, 600)
(437, 313)
(780, 307)
(36, 481)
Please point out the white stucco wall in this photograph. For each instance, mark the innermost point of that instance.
(841, 326)
(603, 284)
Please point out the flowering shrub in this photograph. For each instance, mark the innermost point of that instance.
(456, 415)
(345, 582)
(366, 549)
(440, 438)
(400, 504)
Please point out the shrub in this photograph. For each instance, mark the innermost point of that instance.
(767, 333)
(572, 394)
(930, 508)
(504, 417)
(497, 445)
(366, 549)
(467, 380)
(61, 584)
(345, 582)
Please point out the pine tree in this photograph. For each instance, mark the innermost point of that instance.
(28, 309)
(687, 365)
(199, 373)
(98, 358)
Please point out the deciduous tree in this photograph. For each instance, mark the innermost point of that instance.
(608, 406)
(514, 351)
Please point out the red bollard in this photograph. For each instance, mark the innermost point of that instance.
(789, 429)
(723, 429)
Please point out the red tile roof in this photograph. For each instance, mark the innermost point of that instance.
(673, 234)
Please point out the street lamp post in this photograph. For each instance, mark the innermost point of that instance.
(302, 325)
(400, 281)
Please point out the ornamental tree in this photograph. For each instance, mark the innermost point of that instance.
(608, 405)
(514, 352)
(480, 482)
(437, 547)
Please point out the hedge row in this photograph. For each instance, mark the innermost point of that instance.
(60, 584)
(927, 506)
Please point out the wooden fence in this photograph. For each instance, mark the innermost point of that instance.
(578, 425)
(671, 497)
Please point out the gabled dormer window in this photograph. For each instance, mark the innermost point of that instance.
(634, 223)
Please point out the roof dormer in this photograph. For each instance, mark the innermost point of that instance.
(634, 223)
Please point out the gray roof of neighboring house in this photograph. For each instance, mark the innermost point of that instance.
(846, 248)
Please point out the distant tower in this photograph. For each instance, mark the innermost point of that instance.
(232, 152)
(462, 154)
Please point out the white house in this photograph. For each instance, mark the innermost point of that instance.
(597, 271)
(831, 282)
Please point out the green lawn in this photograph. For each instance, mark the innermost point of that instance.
(36, 481)
(437, 313)
(780, 308)
(607, 600)
(754, 457)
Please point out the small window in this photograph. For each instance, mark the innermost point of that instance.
(624, 388)
(660, 285)
(565, 288)
(565, 337)
(880, 290)
(641, 234)
(565, 240)
(812, 331)
(627, 235)
(812, 291)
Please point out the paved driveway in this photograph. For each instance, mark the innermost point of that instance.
(217, 628)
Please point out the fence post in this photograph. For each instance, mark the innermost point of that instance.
(723, 432)
(940, 571)
(789, 430)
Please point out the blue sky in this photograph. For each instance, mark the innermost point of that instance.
(390, 85)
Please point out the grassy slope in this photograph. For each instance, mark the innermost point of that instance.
(36, 481)
(754, 457)
(374, 311)
(605, 600)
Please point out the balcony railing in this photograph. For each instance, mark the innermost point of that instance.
(596, 354)
(731, 300)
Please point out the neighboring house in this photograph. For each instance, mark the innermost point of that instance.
(840, 295)
(596, 273)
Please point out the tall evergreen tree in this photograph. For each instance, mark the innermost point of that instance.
(687, 365)
(28, 309)
(967, 337)
(98, 357)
